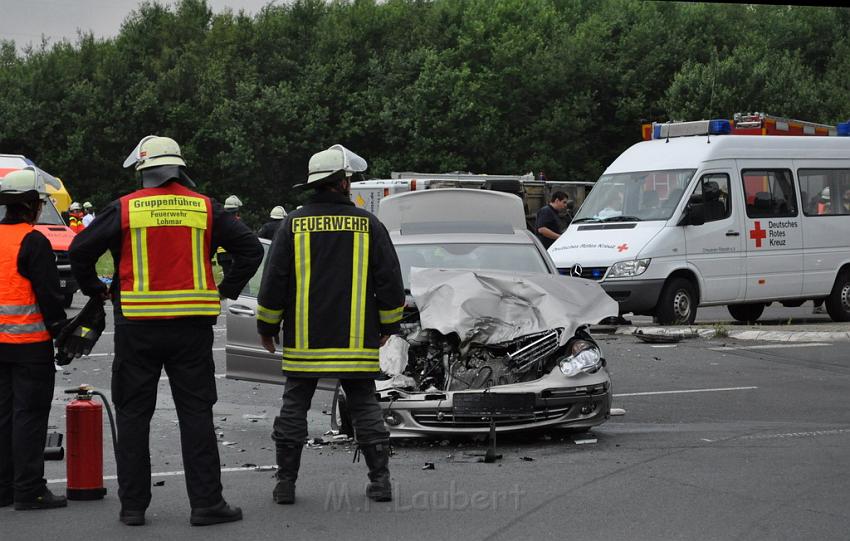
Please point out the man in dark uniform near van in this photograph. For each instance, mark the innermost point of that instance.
(548, 225)
(162, 238)
(333, 279)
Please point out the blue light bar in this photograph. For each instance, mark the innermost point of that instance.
(719, 127)
(843, 129)
(656, 131)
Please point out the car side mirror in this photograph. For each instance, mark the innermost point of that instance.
(695, 214)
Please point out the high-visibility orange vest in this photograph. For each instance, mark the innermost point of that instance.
(21, 321)
(165, 269)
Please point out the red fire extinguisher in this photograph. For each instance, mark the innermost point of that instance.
(84, 427)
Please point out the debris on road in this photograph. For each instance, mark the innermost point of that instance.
(228, 443)
(617, 412)
(159, 484)
(526, 459)
(428, 466)
(583, 439)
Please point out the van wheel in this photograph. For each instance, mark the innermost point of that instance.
(678, 303)
(746, 313)
(838, 302)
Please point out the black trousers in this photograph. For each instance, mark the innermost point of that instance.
(26, 392)
(141, 352)
(290, 427)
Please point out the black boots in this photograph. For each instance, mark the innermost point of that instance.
(217, 514)
(377, 458)
(288, 463)
(44, 500)
(132, 517)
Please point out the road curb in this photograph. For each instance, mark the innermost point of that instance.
(754, 335)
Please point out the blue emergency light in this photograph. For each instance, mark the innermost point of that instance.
(719, 126)
(843, 129)
(597, 273)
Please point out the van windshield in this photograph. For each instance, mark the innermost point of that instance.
(635, 197)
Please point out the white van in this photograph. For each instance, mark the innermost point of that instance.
(706, 220)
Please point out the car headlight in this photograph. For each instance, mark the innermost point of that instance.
(584, 357)
(633, 267)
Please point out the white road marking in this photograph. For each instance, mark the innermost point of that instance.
(108, 354)
(773, 346)
(687, 391)
(180, 472)
(798, 434)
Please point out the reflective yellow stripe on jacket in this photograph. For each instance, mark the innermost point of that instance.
(388, 317)
(267, 315)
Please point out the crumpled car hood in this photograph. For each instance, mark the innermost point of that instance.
(487, 307)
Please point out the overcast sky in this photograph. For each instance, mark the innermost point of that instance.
(25, 21)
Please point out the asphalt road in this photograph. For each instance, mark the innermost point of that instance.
(720, 440)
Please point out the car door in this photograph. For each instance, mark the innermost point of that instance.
(245, 356)
(772, 234)
(716, 248)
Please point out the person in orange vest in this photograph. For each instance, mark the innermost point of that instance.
(75, 217)
(166, 302)
(31, 314)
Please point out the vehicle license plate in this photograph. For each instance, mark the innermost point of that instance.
(493, 404)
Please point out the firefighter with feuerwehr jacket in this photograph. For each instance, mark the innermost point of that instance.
(333, 280)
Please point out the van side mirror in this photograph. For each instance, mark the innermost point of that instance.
(694, 214)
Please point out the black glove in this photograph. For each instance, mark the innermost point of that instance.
(79, 336)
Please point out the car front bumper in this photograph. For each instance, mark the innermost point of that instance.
(634, 296)
(583, 401)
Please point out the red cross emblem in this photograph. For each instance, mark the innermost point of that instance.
(758, 234)
(623, 247)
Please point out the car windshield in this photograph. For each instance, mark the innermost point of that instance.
(498, 257)
(49, 215)
(635, 197)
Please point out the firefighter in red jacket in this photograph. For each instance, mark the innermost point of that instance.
(333, 279)
(31, 314)
(162, 238)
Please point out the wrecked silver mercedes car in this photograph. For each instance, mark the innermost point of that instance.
(511, 349)
(492, 334)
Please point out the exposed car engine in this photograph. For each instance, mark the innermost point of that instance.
(437, 362)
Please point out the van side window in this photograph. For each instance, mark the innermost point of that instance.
(825, 192)
(769, 193)
(712, 191)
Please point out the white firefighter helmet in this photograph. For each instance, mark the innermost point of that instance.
(154, 150)
(23, 186)
(825, 194)
(87, 205)
(277, 213)
(325, 164)
(232, 203)
(75, 206)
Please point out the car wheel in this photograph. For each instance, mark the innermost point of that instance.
(345, 425)
(746, 313)
(678, 303)
(838, 302)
